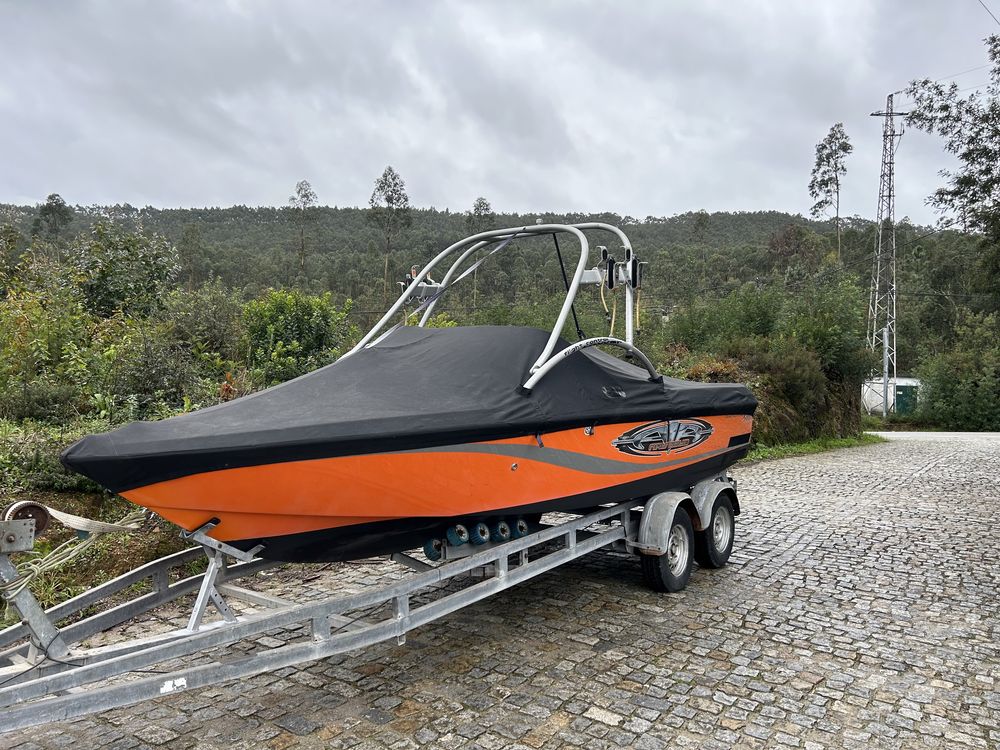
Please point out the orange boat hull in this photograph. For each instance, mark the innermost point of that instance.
(351, 506)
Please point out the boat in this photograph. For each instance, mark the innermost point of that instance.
(422, 436)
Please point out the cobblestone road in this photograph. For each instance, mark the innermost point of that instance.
(861, 609)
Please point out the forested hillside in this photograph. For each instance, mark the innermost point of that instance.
(693, 257)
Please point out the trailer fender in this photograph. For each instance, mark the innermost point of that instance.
(703, 496)
(657, 516)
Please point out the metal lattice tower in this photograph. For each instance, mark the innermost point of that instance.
(882, 299)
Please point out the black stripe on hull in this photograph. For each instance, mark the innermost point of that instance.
(376, 538)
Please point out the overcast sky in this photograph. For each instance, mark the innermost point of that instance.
(637, 107)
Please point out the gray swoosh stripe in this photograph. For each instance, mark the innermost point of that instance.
(570, 459)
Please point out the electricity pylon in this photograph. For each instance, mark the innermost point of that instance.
(882, 297)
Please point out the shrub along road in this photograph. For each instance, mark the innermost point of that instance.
(860, 609)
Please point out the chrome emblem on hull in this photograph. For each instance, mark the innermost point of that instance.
(658, 438)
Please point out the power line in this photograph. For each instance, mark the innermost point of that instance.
(986, 8)
(964, 295)
(961, 73)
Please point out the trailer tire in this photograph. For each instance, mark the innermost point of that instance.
(714, 545)
(671, 571)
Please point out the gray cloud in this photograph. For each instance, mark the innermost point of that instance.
(636, 107)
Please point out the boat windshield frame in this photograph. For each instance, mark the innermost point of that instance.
(470, 245)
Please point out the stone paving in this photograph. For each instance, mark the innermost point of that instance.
(861, 609)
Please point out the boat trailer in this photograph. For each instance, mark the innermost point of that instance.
(46, 675)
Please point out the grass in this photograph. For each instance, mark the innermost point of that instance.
(906, 423)
(817, 445)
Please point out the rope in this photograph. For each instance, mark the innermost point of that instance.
(79, 523)
(29, 570)
(572, 306)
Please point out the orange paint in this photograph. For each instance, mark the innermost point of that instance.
(299, 496)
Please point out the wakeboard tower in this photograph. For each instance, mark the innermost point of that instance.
(433, 437)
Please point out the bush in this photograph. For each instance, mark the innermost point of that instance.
(289, 333)
(792, 390)
(960, 388)
(29, 456)
(827, 318)
(208, 320)
(144, 372)
(123, 271)
(803, 354)
(44, 337)
(710, 324)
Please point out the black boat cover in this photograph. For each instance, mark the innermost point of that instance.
(417, 388)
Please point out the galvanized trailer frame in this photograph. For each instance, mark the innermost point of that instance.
(44, 679)
(38, 686)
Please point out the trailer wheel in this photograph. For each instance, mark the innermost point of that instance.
(714, 545)
(670, 571)
(457, 535)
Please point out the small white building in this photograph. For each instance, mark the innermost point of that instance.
(903, 389)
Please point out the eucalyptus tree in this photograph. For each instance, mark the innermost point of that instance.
(479, 219)
(389, 210)
(824, 187)
(53, 217)
(302, 203)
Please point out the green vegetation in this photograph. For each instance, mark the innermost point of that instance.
(288, 333)
(808, 447)
(961, 386)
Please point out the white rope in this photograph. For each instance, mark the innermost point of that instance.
(68, 550)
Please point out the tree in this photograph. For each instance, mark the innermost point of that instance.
(481, 218)
(699, 229)
(824, 187)
(121, 270)
(10, 239)
(302, 204)
(190, 251)
(389, 210)
(53, 216)
(970, 127)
